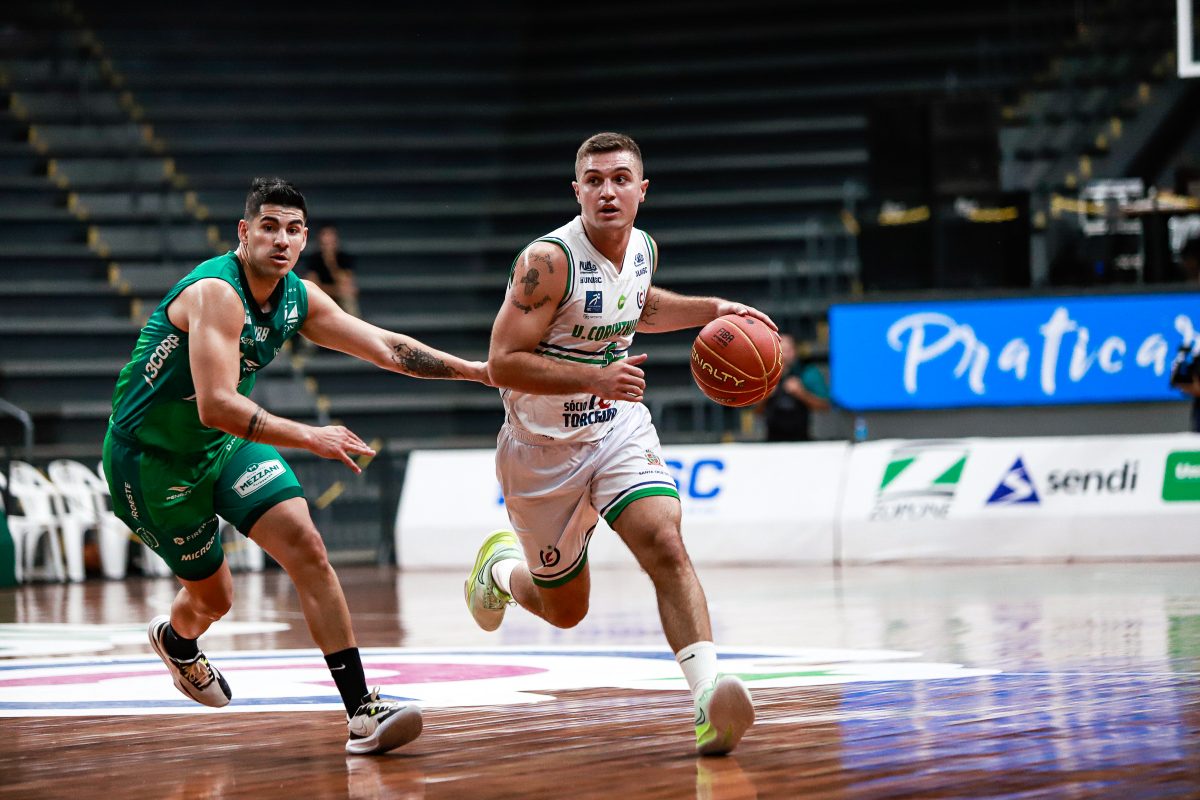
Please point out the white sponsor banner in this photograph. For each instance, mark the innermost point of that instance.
(1022, 499)
(742, 504)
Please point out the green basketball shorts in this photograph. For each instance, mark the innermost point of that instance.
(172, 502)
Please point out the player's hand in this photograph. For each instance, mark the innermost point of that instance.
(622, 380)
(340, 444)
(743, 310)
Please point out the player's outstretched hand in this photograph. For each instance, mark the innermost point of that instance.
(622, 380)
(743, 310)
(340, 444)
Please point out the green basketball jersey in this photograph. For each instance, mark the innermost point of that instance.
(155, 398)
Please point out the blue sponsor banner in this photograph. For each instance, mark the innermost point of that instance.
(1039, 351)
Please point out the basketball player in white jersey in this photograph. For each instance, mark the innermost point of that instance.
(577, 442)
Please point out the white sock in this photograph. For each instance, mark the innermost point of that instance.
(699, 664)
(502, 572)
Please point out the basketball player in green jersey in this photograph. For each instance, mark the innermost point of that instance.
(577, 442)
(186, 443)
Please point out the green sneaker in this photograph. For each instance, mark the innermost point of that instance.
(484, 598)
(723, 714)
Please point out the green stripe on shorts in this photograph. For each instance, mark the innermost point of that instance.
(649, 491)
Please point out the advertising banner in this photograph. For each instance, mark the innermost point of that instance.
(1004, 352)
(742, 504)
(1023, 499)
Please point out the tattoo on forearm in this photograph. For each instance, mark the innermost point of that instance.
(530, 281)
(651, 310)
(258, 424)
(421, 364)
(526, 308)
(547, 260)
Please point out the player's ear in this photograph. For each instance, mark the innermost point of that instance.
(243, 231)
(645, 185)
(575, 187)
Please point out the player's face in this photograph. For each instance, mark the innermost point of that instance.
(273, 240)
(609, 188)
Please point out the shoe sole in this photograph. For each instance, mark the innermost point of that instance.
(731, 713)
(494, 618)
(156, 626)
(398, 730)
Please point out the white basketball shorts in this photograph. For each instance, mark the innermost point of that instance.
(555, 493)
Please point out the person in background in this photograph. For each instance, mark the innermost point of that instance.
(788, 411)
(1184, 374)
(332, 268)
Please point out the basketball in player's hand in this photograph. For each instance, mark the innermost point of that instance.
(736, 360)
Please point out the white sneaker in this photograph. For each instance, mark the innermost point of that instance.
(382, 725)
(195, 677)
(724, 712)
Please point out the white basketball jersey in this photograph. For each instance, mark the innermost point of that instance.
(594, 324)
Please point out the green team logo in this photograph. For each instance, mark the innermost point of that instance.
(919, 482)
(621, 302)
(1181, 482)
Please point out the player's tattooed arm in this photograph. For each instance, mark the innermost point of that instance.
(258, 424)
(421, 363)
(530, 284)
(651, 310)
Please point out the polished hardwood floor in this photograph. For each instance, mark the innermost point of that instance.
(1073, 681)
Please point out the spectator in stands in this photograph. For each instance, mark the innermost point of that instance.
(186, 443)
(578, 442)
(787, 412)
(332, 268)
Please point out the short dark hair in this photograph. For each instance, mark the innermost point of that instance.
(608, 142)
(275, 191)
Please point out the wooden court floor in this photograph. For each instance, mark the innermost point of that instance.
(1069, 681)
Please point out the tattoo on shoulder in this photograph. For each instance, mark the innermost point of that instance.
(544, 259)
(526, 308)
(420, 364)
(530, 281)
(258, 424)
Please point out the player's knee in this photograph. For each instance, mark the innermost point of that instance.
(213, 606)
(665, 552)
(308, 552)
(566, 616)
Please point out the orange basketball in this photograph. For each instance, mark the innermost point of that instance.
(737, 360)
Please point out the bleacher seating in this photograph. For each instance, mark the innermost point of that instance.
(440, 140)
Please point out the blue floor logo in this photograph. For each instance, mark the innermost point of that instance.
(1015, 487)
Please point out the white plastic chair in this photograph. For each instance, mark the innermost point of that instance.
(87, 508)
(151, 564)
(41, 502)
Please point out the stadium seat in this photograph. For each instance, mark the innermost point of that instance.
(86, 508)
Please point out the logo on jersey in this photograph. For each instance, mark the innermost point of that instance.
(638, 260)
(593, 303)
(257, 476)
(158, 357)
(652, 458)
(587, 267)
(1015, 487)
(641, 298)
(578, 414)
(621, 302)
(291, 319)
